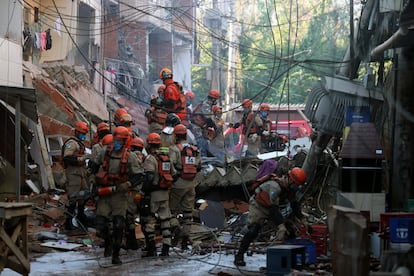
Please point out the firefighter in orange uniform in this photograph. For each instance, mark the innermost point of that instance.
(174, 98)
(264, 203)
(187, 162)
(120, 170)
(73, 156)
(159, 173)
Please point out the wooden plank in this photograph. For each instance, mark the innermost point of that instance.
(10, 210)
(60, 245)
(16, 251)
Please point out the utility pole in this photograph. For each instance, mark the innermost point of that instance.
(215, 65)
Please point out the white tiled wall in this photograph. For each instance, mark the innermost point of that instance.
(11, 73)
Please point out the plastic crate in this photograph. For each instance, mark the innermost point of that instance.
(319, 235)
(310, 257)
(385, 221)
(402, 230)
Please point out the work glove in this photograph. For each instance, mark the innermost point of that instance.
(253, 138)
(265, 132)
(281, 232)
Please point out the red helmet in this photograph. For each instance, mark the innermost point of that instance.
(217, 108)
(264, 107)
(161, 90)
(154, 139)
(137, 142)
(166, 73)
(180, 129)
(297, 175)
(189, 96)
(102, 126)
(215, 94)
(121, 132)
(107, 139)
(81, 127)
(247, 103)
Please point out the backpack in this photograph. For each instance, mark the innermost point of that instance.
(188, 161)
(164, 170)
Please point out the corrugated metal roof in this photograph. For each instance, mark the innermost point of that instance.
(27, 96)
(362, 142)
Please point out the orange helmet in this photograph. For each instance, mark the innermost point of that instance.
(297, 175)
(107, 139)
(217, 108)
(189, 96)
(118, 114)
(137, 142)
(166, 73)
(102, 126)
(215, 94)
(247, 103)
(121, 132)
(180, 129)
(154, 139)
(264, 107)
(81, 127)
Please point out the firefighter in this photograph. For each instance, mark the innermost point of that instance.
(159, 173)
(156, 115)
(123, 118)
(252, 128)
(203, 126)
(120, 170)
(134, 195)
(167, 134)
(189, 98)
(217, 143)
(102, 129)
(73, 156)
(174, 99)
(266, 136)
(187, 161)
(264, 203)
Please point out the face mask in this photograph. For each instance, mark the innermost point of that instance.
(264, 113)
(82, 137)
(245, 111)
(117, 146)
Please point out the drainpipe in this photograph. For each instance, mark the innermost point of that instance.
(390, 42)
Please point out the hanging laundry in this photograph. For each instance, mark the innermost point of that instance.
(58, 24)
(48, 40)
(43, 41)
(27, 39)
(37, 41)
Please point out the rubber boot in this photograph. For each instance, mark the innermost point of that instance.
(151, 250)
(165, 250)
(184, 243)
(108, 248)
(131, 240)
(117, 233)
(244, 244)
(239, 259)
